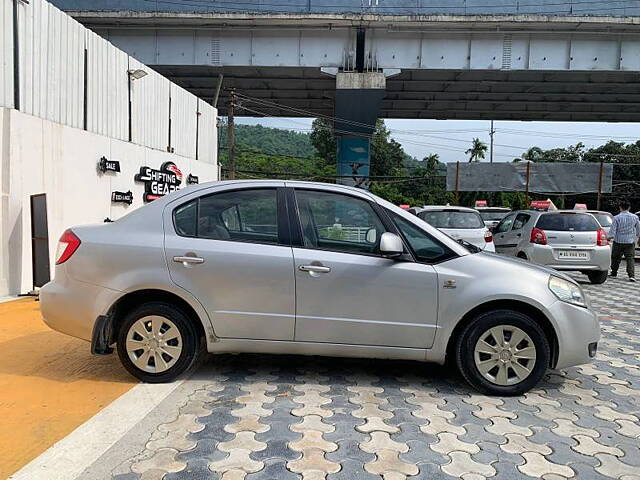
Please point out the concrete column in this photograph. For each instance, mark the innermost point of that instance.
(358, 100)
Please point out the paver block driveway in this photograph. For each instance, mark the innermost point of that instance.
(259, 417)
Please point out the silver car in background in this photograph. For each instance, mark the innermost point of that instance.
(605, 219)
(460, 223)
(563, 240)
(288, 267)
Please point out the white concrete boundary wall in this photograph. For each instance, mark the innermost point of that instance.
(42, 156)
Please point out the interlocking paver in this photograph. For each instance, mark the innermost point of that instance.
(263, 417)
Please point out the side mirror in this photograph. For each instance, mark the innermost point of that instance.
(391, 245)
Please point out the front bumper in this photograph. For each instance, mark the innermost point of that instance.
(577, 328)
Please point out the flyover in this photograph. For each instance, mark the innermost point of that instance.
(551, 60)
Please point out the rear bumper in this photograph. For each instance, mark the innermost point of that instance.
(600, 258)
(71, 307)
(577, 328)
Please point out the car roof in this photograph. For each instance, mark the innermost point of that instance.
(597, 211)
(494, 209)
(440, 208)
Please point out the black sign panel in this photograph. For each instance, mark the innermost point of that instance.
(158, 183)
(122, 197)
(192, 179)
(105, 165)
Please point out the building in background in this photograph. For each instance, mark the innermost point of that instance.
(87, 133)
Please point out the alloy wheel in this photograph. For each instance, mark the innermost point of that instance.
(505, 355)
(154, 344)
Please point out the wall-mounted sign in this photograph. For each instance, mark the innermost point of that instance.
(122, 197)
(105, 165)
(192, 179)
(158, 183)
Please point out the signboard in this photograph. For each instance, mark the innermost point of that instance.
(580, 206)
(105, 165)
(353, 161)
(192, 179)
(158, 183)
(404, 206)
(122, 197)
(481, 203)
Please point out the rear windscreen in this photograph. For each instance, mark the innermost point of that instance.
(452, 219)
(488, 216)
(567, 222)
(604, 219)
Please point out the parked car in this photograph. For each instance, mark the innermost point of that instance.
(309, 268)
(491, 216)
(563, 240)
(460, 223)
(605, 219)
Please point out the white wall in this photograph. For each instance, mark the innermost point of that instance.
(40, 156)
(6, 53)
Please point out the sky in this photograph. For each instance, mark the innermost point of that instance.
(450, 138)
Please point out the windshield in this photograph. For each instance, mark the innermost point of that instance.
(568, 222)
(604, 219)
(489, 216)
(452, 219)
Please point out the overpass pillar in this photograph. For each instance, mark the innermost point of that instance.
(358, 99)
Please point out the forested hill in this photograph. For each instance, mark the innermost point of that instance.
(270, 141)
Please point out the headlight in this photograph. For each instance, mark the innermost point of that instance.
(567, 291)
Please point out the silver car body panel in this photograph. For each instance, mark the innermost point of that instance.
(475, 236)
(370, 307)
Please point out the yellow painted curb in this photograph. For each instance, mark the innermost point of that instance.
(49, 384)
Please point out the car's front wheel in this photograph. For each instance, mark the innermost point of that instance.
(598, 277)
(502, 352)
(157, 342)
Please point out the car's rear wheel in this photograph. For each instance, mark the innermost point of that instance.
(502, 352)
(157, 342)
(597, 277)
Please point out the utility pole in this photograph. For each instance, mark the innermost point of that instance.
(491, 132)
(231, 137)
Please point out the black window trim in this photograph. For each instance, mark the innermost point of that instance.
(284, 235)
(452, 254)
(298, 242)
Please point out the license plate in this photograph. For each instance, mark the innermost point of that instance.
(573, 255)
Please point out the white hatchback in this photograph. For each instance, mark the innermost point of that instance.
(460, 223)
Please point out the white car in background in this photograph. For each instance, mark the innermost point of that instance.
(605, 219)
(460, 223)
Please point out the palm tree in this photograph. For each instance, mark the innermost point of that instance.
(477, 150)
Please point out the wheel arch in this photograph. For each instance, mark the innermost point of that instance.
(506, 304)
(124, 304)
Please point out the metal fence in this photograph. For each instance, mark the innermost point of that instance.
(69, 75)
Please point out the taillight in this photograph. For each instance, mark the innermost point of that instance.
(488, 237)
(67, 245)
(601, 238)
(538, 236)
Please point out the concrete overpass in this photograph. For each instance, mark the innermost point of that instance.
(564, 60)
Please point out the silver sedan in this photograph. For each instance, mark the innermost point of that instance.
(315, 269)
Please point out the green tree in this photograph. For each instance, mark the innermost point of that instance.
(387, 155)
(323, 139)
(477, 151)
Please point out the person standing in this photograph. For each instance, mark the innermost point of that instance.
(624, 231)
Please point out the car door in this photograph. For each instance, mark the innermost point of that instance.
(501, 236)
(230, 249)
(515, 235)
(346, 292)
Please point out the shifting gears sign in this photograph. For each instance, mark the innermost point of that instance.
(158, 183)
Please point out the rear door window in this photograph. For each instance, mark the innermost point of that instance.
(452, 219)
(520, 221)
(567, 222)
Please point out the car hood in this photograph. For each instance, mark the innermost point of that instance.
(522, 263)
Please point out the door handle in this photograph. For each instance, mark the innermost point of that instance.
(187, 260)
(314, 268)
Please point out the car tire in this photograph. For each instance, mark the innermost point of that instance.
(161, 331)
(494, 382)
(598, 277)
